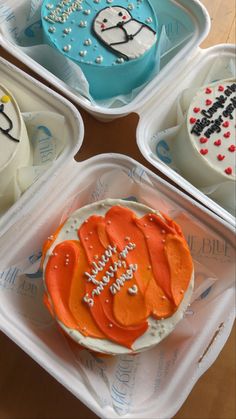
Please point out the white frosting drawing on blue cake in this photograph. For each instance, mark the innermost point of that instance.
(113, 41)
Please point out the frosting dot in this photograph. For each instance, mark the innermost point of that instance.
(204, 151)
(52, 29)
(232, 148)
(99, 59)
(226, 124)
(131, 6)
(110, 325)
(67, 30)
(67, 48)
(220, 157)
(217, 143)
(192, 120)
(227, 134)
(87, 12)
(83, 24)
(82, 53)
(229, 171)
(87, 42)
(5, 99)
(203, 140)
(208, 90)
(208, 102)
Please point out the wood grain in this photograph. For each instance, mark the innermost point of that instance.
(26, 390)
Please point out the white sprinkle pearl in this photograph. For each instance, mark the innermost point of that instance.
(110, 325)
(149, 20)
(67, 30)
(90, 247)
(87, 12)
(99, 59)
(49, 6)
(149, 267)
(181, 291)
(163, 241)
(55, 267)
(86, 239)
(131, 6)
(127, 238)
(82, 53)
(163, 231)
(52, 29)
(107, 301)
(67, 48)
(120, 60)
(109, 222)
(163, 297)
(87, 42)
(83, 24)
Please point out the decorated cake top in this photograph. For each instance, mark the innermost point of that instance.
(99, 32)
(110, 279)
(10, 126)
(212, 125)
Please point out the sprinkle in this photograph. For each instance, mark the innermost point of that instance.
(67, 30)
(208, 90)
(208, 102)
(131, 6)
(107, 301)
(90, 247)
(109, 1)
(226, 124)
(163, 241)
(227, 134)
(50, 238)
(55, 267)
(127, 238)
(232, 148)
(163, 297)
(109, 222)
(220, 157)
(67, 255)
(217, 143)
(110, 325)
(133, 290)
(90, 233)
(147, 237)
(120, 60)
(228, 171)
(87, 12)
(148, 20)
(52, 29)
(150, 219)
(88, 42)
(145, 224)
(67, 48)
(196, 110)
(181, 291)
(221, 88)
(82, 53)
(96, 257)
(163, 232)
(99, 59)
(192, 120)
(149, 267)
(204, 151)
(5, 99)
(83, 24)
(49, 6)
(86, 239)
(203, 140)
(84, 328)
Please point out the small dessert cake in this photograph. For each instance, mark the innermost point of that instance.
(114, 44)
(118, 276)
(14, 147)
(204, 149)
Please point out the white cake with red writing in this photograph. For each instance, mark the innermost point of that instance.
(204, 149)
(118, 276)
(14, 147)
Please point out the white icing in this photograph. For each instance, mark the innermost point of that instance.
(134, 37)
(162, 327)
(13, 154)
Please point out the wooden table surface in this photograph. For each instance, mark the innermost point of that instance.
(26, 390)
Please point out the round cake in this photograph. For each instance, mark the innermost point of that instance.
(204, 148)
(14, 147)
(118, 276)
(114, 45)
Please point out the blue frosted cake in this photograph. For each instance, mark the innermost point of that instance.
(114, 45)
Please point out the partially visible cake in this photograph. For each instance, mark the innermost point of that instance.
(204, 149)
(14, 147)
(113, 42)
(118, 276)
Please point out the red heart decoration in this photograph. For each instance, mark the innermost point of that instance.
(204, 151)
(226, 124)
(229, 171)
(227, 134)
(220, 157)
(208, 102)
(208, 90)
(221, 88)
(192, 120)
(196, 110)
(217, 143)
(203, 140)
(232, 148)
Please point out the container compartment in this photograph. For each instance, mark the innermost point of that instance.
(34, 98)
(158, 120)
(171, 368)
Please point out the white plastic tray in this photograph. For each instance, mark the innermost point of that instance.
(160, 114)
(33, 96)
(25, 321)
(195, 11)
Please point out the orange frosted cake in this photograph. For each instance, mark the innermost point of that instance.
(118, 276)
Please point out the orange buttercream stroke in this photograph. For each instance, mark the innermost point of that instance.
(161, 279)
(102, 309)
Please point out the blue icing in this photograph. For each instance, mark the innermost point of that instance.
(73, 34)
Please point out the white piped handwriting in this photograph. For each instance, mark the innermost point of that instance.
(60, 15)
(110, 272)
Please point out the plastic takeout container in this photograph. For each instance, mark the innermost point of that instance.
(178, 14)
(113, 387)
(160, 115)
(33, 97)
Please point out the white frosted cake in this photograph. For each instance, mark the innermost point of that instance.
(204, 149)
(118, 276)
(14, 147)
